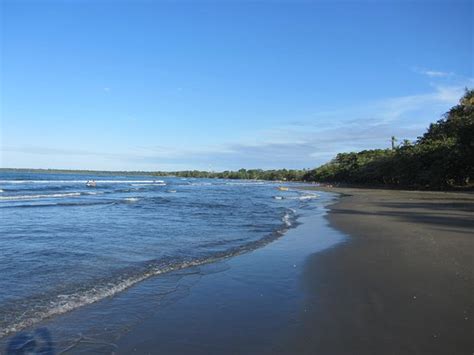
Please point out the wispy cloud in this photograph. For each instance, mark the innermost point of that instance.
(309, 142)
(433, 73)
(394, 108)
(314, 140)
(436, 74)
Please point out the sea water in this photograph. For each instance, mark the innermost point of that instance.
(64, 245)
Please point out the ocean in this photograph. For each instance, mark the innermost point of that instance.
(64, 245)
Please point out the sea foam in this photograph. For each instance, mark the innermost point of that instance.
(34, 197)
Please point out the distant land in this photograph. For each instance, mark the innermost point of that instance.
(252, 174)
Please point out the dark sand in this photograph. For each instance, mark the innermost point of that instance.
(403, 284)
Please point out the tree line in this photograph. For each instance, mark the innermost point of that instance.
(243, 174)
(443, 157)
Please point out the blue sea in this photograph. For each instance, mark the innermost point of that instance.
(64, 245)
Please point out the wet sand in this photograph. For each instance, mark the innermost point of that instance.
(249, 307)
(403, 284)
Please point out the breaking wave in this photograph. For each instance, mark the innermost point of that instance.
(62, 303)
(33, 197)
(78, 181)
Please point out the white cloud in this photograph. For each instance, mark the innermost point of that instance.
(433, 73)
(436, 74)
(301, 142)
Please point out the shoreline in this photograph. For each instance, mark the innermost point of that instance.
(264, 281)
(288, 222)
(376, 272)
(404, 283)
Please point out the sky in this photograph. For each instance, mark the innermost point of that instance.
(216, 85)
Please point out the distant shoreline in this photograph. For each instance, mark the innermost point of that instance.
(218, 175)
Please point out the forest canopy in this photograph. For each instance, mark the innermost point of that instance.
(443, 157)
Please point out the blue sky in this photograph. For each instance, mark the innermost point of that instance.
(172, 85)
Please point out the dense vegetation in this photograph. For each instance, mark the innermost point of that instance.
(443, 157)
(251, 174)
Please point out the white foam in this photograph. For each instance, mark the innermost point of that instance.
(287, 219)
(33, 197)
(278, 197)
(93, 193)
(75, 181)
(304, 197)
(66, 303)
(308, 197)
(131, 199)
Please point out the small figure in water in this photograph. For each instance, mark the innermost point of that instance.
(91, 183)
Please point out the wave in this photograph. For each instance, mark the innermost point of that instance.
(131, 199)
(288, 218)
(67, 302)
(229, 183)
(308, 197)
(34, 197)
(76, 181)
(301, 197)
(107, 201)
(247, 183)
(37, 188)
(61, 204)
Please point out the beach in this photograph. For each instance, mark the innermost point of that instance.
(368, 272)
(404, 284)
(237, 177)
(401, 283)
